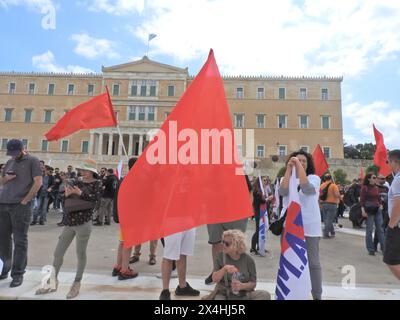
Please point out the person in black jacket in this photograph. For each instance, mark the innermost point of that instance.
(109, 186)
(43, 197)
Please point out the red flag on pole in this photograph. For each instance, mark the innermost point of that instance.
(362, 175)
(320, 163)
(180, 182)
(380, 156)
(95, 113)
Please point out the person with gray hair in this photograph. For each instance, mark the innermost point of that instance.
(391, 254)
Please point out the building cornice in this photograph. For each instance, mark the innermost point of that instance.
(280, 78)
(50, 74)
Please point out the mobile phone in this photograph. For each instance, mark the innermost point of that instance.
(10, 172)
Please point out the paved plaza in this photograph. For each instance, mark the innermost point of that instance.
(372, 278)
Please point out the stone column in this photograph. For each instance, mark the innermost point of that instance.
(100, 146)
(130, 147)
(120, 142)
(110, 143)
(91, 143)
(140, 144)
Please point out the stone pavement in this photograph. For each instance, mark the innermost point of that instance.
(372, 278)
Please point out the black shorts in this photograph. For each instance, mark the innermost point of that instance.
(392, 246)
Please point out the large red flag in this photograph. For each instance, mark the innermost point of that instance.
(95, 113)
(380, 156)
(320, 163)
(186, 187)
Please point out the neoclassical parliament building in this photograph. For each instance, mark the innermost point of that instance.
(286, 113)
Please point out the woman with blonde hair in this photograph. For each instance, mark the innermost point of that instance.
(235, 271)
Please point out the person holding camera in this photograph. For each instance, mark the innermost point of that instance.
(81, 197)
(21, 179)
(371, 209)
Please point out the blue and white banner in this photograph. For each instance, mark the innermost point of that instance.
(262, 233)
(293, 280)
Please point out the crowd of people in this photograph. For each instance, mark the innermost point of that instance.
(86, 197)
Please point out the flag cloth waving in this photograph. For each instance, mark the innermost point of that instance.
(119, 170)
(293, 280)
(319, 161)
(95, 113)
(380, 155)
(180, 182)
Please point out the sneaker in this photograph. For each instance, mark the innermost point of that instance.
(371, 253)
(208, 280)
(33, 223)
(16, 282)
(186, 291)
(60, 224)
(134, 259)
(41, 223)
(129, 274)
(116, 271)
(4, 276)
(165, 295)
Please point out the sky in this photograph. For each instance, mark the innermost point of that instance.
(356, 39)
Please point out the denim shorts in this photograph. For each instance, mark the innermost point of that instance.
(391, 255)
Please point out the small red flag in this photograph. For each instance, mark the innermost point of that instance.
(362, 175)
(95, 113)
(380, 156)
(186, 188)
(320, 163)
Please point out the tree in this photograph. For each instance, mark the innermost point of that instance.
(359, 151)
(340, 176)
(281, 172)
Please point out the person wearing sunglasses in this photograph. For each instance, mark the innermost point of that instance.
(371, 209)
(235, 271)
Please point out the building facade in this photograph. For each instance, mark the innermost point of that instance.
(286, 113)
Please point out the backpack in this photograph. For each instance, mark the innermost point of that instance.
(323, 194)
(348, 198)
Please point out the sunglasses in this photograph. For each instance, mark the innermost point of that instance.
(226, 244)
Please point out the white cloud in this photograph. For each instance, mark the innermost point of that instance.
(93, 48)
(318, 37)
(46, 62)
(117, 7)
(385, 117)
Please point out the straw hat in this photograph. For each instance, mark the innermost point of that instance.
(89, 165)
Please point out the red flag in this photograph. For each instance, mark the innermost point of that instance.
(380, 156)
(95, 113)
(161, 198)
(362, 175)
(320, 163)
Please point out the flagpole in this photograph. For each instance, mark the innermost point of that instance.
(123, 144)
(148, 44)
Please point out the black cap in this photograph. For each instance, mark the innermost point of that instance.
(14, 147)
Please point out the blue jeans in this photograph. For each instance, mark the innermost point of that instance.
(376, 219)
(41, 210)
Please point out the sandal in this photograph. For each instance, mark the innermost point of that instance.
(152, 260)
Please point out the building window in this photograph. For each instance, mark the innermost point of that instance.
(282, 151)
(303, 93)
(85, 146)
(282, 121)
(131, 113)
(90, 89)
(239, 120)
(8, 114)
(305, 148)
(47, 116)
(31, 88)
(4, 144)
(282, 93)
(239, 93)
(327, 152)
(303, 122)
(71, 89)
(64, 145)
(261, 121)
(50, 89)
(260, 93)
(115, 91)
(151, 113)
(134, 88)
(261, 151)
(45, 145)
(25, 143)
(28, 115)
(167, 114)
(116, 114)
(171, 91)
(143, 89)
(142, 113)
(152, 88)
(324, 94)
(11, 88)
(326, 122)
(66, 111)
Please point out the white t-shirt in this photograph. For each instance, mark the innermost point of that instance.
(310, 209)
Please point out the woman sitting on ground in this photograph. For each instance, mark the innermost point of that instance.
(235, 271)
